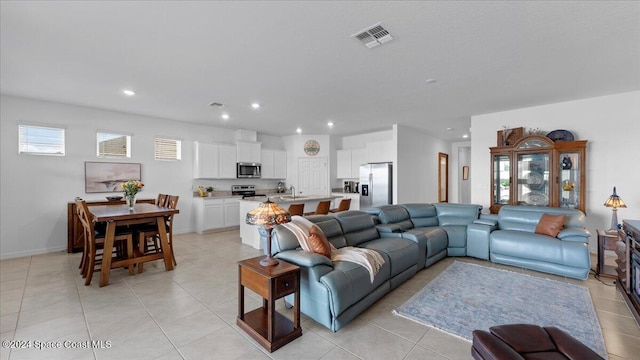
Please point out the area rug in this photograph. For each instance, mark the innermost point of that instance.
(465, 297)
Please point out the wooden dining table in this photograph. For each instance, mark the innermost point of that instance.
(120, 215)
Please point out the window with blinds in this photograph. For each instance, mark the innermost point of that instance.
(114, 145)
(167, 149)
(40, 140)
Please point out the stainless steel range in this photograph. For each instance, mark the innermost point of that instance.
(247, 191)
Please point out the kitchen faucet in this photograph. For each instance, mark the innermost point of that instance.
(293, 191)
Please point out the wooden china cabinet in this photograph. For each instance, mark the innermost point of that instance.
(537, 171)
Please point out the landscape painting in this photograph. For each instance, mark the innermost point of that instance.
(102, 177)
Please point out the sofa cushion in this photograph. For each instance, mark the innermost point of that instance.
(318, 242)
(457, 214)
(331, 229)
(400, 253)
(422, 215)
(550, 224)
(357, 227)
(349, 283)
(532, 247)
(396, 215)
(526, 218)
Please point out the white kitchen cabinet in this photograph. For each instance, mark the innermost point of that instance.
(227, 156)
(214, 161)
(248, 152)
(213, 214)
(216, 213)
(274, 164)
(205, 164)
(349, 162)
(231, 212)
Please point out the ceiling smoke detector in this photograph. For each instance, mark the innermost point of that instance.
(373, 36)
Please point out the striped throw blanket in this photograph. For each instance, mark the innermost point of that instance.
(369, 259)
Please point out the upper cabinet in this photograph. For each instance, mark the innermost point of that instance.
(274, 164)
(539, 172)
(214, 161)
(349, 162)
(248, 152)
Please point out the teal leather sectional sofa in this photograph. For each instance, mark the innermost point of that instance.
(411, 237)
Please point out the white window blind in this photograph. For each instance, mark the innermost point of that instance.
(40, 140)
(167, 149)
(114, 145)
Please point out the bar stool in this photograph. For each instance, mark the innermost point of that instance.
(345, 204)
(296, 209)
(322, 208)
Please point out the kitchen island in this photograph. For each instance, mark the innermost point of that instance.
(249, 233)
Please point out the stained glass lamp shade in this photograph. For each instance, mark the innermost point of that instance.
(267, 215)
(614, 201)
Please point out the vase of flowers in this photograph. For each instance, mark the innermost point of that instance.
(131, 188)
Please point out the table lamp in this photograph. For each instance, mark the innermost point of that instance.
(614, 202)
(267, 215)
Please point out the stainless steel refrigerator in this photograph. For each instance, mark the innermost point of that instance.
(376, 184)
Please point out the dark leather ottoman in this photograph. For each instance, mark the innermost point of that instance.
(524, 341)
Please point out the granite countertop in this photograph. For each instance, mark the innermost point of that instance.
(286, 198)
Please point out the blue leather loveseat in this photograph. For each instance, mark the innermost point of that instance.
(509, 238)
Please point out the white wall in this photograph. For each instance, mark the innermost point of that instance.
(611, 124)
(36, 189)
(416, 167)
(460, 190)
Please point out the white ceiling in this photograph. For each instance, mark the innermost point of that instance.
(298, 60)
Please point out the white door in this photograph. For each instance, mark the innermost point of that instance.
(312, 176)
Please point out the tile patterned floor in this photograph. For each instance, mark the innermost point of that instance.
(189, 313)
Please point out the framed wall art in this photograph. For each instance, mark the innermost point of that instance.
(103, 177)
(465, 173)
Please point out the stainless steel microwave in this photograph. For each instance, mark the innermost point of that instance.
(249, 170)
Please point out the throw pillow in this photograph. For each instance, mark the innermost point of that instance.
(318, 242)
(550, 224)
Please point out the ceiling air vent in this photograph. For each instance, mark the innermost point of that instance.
(373, 36)
(216, 104)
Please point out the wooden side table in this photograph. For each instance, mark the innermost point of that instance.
(268, 327)
(606, 241)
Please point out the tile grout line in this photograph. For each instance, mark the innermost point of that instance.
(154, 319)
(84, 315)
(24, 290)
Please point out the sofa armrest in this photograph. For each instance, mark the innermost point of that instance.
(574, 234)
(304, 258)
(478, 239)
(489, 222)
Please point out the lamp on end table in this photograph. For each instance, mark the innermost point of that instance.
(267, 215)
(614, 201)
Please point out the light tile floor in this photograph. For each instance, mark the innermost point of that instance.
(190, 313)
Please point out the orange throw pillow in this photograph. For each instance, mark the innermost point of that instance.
(318, 242)
(550, 224)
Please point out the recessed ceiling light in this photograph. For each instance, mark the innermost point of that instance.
(255, 105)
(330, 124)
(430, 81)
(128, 92)
(450, 129)
(225, 116)
(299, 131)
(465, 136)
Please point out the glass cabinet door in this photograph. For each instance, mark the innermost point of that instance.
(501, 179)
(533, 187)
(570, 186)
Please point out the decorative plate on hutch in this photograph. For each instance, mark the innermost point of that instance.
(560, 135)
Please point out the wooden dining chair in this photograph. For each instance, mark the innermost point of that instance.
(94, 244)
(149, 238)
(161, 200)
(322, 208)
(296, 209)
(345, 204)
